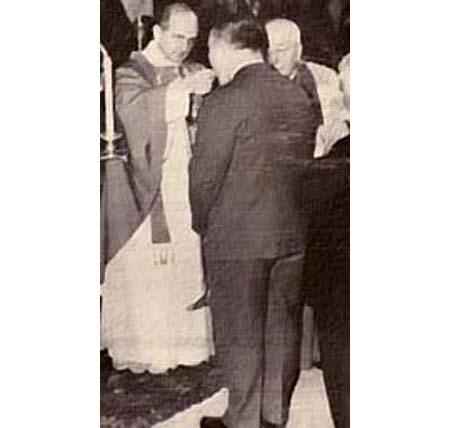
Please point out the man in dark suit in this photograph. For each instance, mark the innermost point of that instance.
(326, 196)
(254, 133)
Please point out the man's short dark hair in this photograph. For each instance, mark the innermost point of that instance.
(243, 32)
(164, 9)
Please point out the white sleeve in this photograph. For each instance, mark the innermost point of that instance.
(177, 101)
(330, 96)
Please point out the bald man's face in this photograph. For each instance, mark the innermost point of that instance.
(284, 55)
(285, 46)
(177, 39)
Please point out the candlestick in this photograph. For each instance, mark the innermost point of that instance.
(140, 31)
(109, 97)
(109, 135)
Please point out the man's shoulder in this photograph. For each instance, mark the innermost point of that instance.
(242, 92)
(304, 75)
(246, 93)
(258, 81)
(256, 76)
(322, 74)
(226, 97)
(135, 58)
(137, 67)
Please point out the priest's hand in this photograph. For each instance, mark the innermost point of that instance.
(200, 82)
(163, 254)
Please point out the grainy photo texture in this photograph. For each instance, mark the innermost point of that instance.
(225, 213)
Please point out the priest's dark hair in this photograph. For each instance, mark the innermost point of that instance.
(164, 9)
(242, 32)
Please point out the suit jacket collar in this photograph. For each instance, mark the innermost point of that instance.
(246, 64)
(250, 70)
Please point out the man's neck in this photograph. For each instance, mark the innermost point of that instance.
(155, 56)
(245, 61)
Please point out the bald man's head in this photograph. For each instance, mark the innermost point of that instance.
(176, 31)
(285, 47)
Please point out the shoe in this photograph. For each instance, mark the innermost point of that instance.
(211, 422)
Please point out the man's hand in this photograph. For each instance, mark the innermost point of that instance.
(327, 135)
(163, 254)
(199, 82)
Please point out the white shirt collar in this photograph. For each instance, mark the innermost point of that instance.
(293, 75)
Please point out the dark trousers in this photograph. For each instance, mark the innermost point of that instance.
(332, 314)
(257, 318)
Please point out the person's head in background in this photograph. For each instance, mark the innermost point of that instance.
(175, 31)
(344, 79)
(285, 45)
(234, 43)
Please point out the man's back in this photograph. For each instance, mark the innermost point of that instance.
(258, 129)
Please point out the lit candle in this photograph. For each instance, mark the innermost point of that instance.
(109, 100)
(140, 31)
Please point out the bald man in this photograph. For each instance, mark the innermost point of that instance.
(319, 81)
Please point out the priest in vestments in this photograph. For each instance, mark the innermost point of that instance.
(153, 267)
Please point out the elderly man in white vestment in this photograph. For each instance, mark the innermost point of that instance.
(285, 51)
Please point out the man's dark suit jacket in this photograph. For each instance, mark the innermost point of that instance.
(254, 134)
(326, 274)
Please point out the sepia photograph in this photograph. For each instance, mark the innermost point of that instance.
(225, 213)
(232, 291)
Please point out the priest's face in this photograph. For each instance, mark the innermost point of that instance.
(177, 37)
